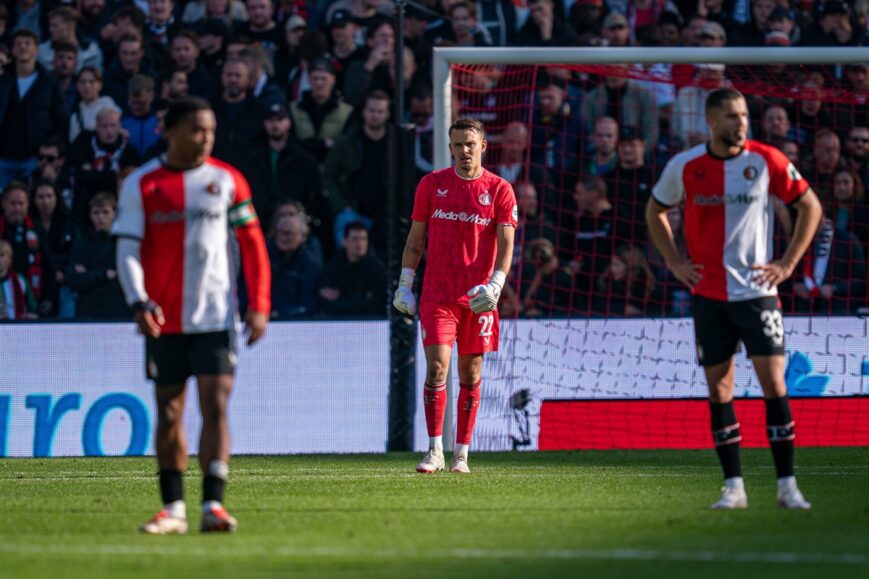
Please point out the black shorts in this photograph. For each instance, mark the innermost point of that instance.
(172, 358)
(720, 326)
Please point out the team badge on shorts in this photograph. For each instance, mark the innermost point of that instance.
(750, 173)
(485, 198)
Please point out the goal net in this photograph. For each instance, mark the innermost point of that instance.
(597, 346)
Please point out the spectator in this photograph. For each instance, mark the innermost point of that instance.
(287, 59)
(832, 25)
(421, 115)
(556, 137)
(512, 163)
(625, 286)
(321, 116)
(464, 29)
(160, 27)
(850, 209)
(357, 168)
(718, 11)
(533, 222)
(857, 151)
(354, 282)
(16, 299)
(615, 30)
(97, 159)
(792, 151)
(64, 64)
(294, 273)
(93, 16)
(753, 33)
(141, 122)
(32, 108)
(289, 208)
(776, 126)
(631, 183)
(622, 99)
(31, 255)
(604, 159)
(263, 87)
(342, 38)
(49, 213)
(546, 286)
(784, 21)
(129, 63)
(161, 145)
(820, 167)
(831, 278)
(51, 167)
(812, 114)
(91, 270)
(546, 25)
(689, 126)
(184, 51)
(175, 86)
(126, 21)
(371, 68)
(231, 12)
(260, 27)
(586, 17)
(855, 113)
(62, 23)
(213, 34)
(278, 168)
(239, 120)
(313, 46)
(89, 84)
(27, 15)
(711, 35)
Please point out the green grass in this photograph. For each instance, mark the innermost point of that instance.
(529, 515)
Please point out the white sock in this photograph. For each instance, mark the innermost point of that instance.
(208, 506)
(787, 482)
(177, 509)
(436, 442)
(735, 482)
(461, 450)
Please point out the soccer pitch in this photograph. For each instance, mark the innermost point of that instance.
(530, 515)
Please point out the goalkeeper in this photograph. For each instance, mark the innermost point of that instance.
(470, 216)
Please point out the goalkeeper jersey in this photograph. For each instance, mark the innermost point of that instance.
(462, 216)
(729, 219)
(182, 219)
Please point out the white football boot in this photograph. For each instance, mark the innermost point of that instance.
(459, 464)
(432, 462)
(732, 497)
(164, 524)
(790, 497)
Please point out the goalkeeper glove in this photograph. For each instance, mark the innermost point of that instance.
(484, 298)
(404, 300)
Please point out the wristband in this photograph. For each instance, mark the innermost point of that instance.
(143, 307)
(498, 278)
(406, 279)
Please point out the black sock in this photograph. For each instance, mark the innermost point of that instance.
(780, 432)
(212, 488)
(171, 486)
(726, 436)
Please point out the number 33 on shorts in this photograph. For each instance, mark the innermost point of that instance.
(774, 327)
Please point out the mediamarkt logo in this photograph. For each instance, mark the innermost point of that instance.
(464, 217)
(727, 199)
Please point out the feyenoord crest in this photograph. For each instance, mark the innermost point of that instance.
(213, 188)
(750, 173)
(485, 198)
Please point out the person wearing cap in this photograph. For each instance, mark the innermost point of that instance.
(546, 25)
(277, 167)
(557, 133)
(239, 120)
(688, 125)
(832, 25)
(615, 30)
(711, 35)
(342, 37)
(321, 115)
(288, 67)
(784, 20)
(371, 67)
(631, 183)
(627, 102)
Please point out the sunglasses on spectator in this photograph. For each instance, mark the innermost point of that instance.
(47, 158)
(859, 139)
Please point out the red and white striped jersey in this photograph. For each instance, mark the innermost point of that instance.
(182, 219)
(729, 213)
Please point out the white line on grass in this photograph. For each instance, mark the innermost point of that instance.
(162, 548)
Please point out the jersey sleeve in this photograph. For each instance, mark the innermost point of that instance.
(670, 188)
(422, 200)
(506, 210)
(130, 216)
(785, 182)
(241, 211)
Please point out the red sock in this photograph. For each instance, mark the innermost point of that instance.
(469, 403)
(434, 398)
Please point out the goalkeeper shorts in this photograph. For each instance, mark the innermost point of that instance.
(446, 324)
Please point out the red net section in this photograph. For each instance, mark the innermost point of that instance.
(597, 350)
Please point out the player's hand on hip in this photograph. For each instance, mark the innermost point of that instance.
(149, 317)
(688, 272)
(771, 274)
(404, 300)
(484, 298)
(255, 326)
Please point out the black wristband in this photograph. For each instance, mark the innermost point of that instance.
(147, 306)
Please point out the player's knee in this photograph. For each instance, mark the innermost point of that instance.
(213, 412)
(436, 373)
(168, 416)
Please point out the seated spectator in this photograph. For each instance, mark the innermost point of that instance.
(546, 286)
(586, 17)
(826, 158)
(833, 25)
(533, 222)
(16, 299)
(264, 88)
(93, 15)
(291, 208)
(97, 159)
(546, 25)
(371, 68)
(354, 282)
(625, 101)
(141, 122)
(278, 168)
(232, 12)
(321, 116)
(213, 34)
(711, 35)
(831, 278)
(557, 135)
(184, 52)
(630, 185)
(261, 27)
(64, 66)
(91, 270)
(49, 213)
(812, 114)
(753, 33)
(855, 114)
(51, 167)
(84, 116)
(295, 275)
(62, 22)
(857, 151)
(792, 151)
(342, 31)
(174, 86)
(464, 29)
(357, 168)
(689, 126)
(784, 21)
(615, 30)
(850, 208)
(604, 137)
(129, 62)
(625, 286)
(31, 253)
(776, 128)
(422, 116)
(160, 28)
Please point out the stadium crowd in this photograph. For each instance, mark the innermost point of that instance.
(302, 93)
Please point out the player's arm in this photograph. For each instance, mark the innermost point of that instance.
(484, 298)
(684, 269)
(809, 214)
(404, 300)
